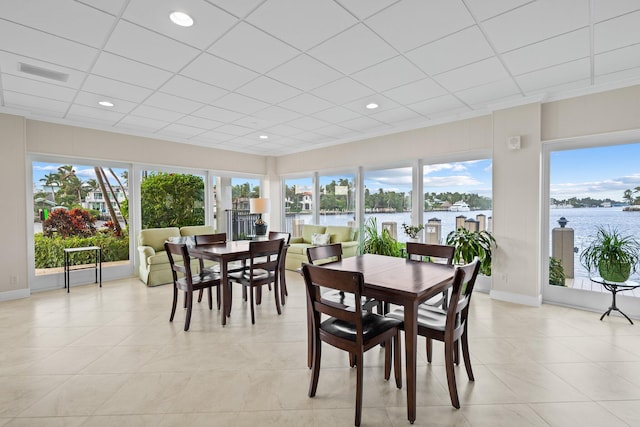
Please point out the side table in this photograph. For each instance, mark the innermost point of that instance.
(614, 288)
(68, 267)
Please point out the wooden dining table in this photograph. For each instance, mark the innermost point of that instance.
(402, 282)
(223, 254)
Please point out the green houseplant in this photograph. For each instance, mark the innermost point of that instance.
(381, 244)
(613, 255)
(556, 272)
(412, 230)
(469, 244)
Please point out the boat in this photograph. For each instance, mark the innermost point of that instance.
(459, 206)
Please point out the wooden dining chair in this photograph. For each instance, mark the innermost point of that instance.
(348, 328)
(449, 326)
(210, 239)
(184, 280)
(432, 253)
(273, 235)
(263, 269)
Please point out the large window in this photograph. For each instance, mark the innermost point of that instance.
(456, 194)
(337, 200)
(387, 197)
(298, 204)
(78, 205)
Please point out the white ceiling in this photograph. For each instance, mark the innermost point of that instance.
(302, 71)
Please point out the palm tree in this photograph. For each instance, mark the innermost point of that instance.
(101, 177)
(51, 180)
(628, 196)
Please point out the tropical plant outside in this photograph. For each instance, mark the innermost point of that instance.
(556, 272)
(171, 200)
(381, 244)
(412, 230)
(470, 244)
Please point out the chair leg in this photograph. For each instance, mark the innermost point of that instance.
(352, 360)
(253, 316)
(315, 366)
(259, 295)
(397, 362)
(456, 353)
(387, 360)
(218, 295)
(210, 298)
(359, 388)
(175, 302)
(276, 295)
(429, 349)
(244, 293)
(451, 374)
(465, 355)
(200, 295)
(189, 300)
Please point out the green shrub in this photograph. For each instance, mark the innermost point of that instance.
(556, 272)
(49, 251)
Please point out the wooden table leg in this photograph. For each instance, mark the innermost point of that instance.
(411, 344)
(224, 283)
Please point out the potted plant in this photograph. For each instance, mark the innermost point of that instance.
(469, 244)
(412, 230)
(381, 244)
(613, 255)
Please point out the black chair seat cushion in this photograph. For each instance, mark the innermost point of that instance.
(197, 279)
(372, 325)
(428, 316)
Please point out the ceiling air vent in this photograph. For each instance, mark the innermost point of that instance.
(43, 72)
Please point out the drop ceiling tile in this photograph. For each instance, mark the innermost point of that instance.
(156, 113)
(314, 22)
(342, 90)
(238, 8)
(622, 78)
(253, 122)
(37, 88)
(116, 89)
(198, 122)
(304, 73)
(483, 9)
(110, 6)
(218, 72)
(606, 9)
(240, 103)
(557, 50)
(392, 73)
(252, 48)
(462, 48)
(36, 104)
(128, 71)
(173, 103)
(335, 131)
(521, 26)
(143, 124)
(555, 76)
(336, 115)
(210, 22)
(482, 96)
(24, 41)
(268, 90)
(277, 114)
(306, 104)
(307, 123)
(213, 137)
(89, 99)
(617, 60)
(235, 130)
(617, 32)
(142, 45)
(10, 65)
(311, 137)
(365, 124)
(437, 106)
(417, 22)
(64, 18)
(283, 130)
(479, 73)
(218, 114)
(397, 115)
(360, 105)
(181, 131)
(364, 9)
(414, 92)
(82, 112)
(353, 50)
(192, 89)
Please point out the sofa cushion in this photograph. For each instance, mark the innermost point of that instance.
(194, 230)
(155, 237)
(319, 239)
(299, 249)
(160, 257)
(308, 231)
(340, 233)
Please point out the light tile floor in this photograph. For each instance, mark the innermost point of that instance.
(110, 357)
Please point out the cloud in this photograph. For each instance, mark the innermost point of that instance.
(450, 181)
(609, 188)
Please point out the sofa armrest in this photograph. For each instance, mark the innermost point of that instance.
(296, 240)
(145, 252)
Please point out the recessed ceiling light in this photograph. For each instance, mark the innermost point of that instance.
(106, 103)
(264, 137)
(181, 18)
(372, 106)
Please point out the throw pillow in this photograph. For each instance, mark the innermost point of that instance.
(320, 239)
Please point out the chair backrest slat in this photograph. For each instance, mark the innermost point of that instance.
(275, 235)
(419, 251)
(264, 254)
(210, 239)
(324, 254)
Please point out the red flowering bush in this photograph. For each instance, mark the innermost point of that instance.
(68, 223)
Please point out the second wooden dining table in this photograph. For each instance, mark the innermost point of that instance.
(406, 283)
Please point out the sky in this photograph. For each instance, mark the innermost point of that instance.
(600, 173)
(83, 172)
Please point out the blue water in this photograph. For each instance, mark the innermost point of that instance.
(582, 220)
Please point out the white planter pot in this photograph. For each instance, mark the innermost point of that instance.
(483, 284)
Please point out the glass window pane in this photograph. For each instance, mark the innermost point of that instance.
(298, 204)
(387, 197)
(337, 200)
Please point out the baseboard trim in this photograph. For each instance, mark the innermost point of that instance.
(516, 298)
(17, 294)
